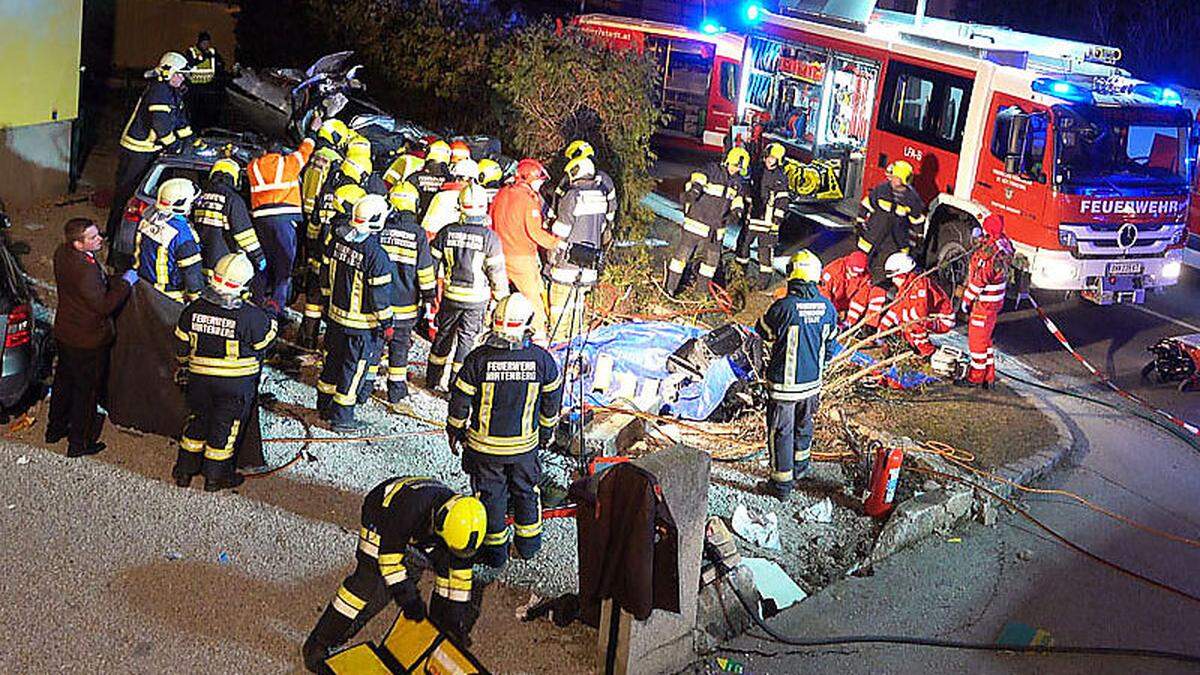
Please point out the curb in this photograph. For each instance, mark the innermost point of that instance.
(939, 510)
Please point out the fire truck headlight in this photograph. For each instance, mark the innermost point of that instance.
(1057, 271)
(1171, 269)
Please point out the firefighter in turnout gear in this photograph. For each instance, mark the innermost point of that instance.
(712, 199)
(332, 138)
(402, 168)
(889, 218)
(400, 514)
(429, 178)
(801, 328)
(166, 250)
(222, 220)
(847, 285)
(504, 407)
(357, 284)
(275, 204)
(443, 208)
(222, 343)
(768, 207)
(987, 281)
(580, 149)
(921, 306)
(581, 223)
(414, 283)
(158, 122)
(491, 175)
(338, 195)
(469, 258)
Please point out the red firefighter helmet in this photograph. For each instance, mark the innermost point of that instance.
(857, 261)
(530, 170)
(459, 150)
(993, 225)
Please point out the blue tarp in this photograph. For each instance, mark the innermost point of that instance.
(642, 348)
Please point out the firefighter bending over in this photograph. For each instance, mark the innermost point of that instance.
(222, 342)
(890, 218)
(399, 514)
(987, 281)
(921, 306)
(712, 199)
(504, 407)
(800, 327)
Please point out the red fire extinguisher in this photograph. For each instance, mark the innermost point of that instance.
(885, 474)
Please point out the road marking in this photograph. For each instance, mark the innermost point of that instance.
(1166, 317)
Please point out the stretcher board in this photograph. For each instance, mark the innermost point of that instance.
(419, 647)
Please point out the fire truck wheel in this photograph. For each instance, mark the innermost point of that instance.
(950, 256)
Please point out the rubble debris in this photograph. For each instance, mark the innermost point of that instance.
(821, 512)
(756, 527)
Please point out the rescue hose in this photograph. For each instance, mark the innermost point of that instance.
(794, 641)
(1064, 493)
(1059, 537)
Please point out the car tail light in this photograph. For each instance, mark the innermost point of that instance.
(134, 209)
(18, 327)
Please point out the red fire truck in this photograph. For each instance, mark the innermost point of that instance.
(697, 74)
(1087, 165)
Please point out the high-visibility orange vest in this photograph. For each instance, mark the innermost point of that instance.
(275, 181)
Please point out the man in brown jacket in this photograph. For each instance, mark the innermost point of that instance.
(83, 335)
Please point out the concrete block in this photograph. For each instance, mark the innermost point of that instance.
(613, 434)
(921, 516)
(665, 642)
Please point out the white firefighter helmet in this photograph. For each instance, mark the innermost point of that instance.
(473, 202)
(899, 263)
(513, 315)
(231, 274)
(369, 213)
(169, 64)
(176, 196)
(467, 169)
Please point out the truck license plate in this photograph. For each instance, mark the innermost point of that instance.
(1115, 268)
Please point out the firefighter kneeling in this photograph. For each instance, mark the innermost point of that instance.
(504, 406)
(222, 341)
(445, 527)
(800, 327)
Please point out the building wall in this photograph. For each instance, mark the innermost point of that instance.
(39, 60)
(39, 96)
(144, 29)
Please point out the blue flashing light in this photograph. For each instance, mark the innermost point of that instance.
(1063, 89)
(752, 12)
(711, 27)
(1170, 97)
(1160, 95)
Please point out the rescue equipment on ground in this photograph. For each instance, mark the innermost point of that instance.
(1176, 359)
(885, 476)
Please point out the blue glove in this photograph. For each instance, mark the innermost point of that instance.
(130, 276)
(262, 264)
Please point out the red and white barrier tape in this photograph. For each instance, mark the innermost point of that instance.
(1099, 375)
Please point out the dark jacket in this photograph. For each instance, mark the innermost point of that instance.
(801, 328)
(87, 300)
(628, 543)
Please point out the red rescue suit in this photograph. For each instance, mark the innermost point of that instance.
(987, 280)
(922, 307)
(844, 282)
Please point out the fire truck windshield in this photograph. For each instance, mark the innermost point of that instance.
(1121, 146)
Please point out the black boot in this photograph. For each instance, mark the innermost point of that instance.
(331, 631)
(306, 337)
(315, 654)
(187, 465)
(221, 476)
